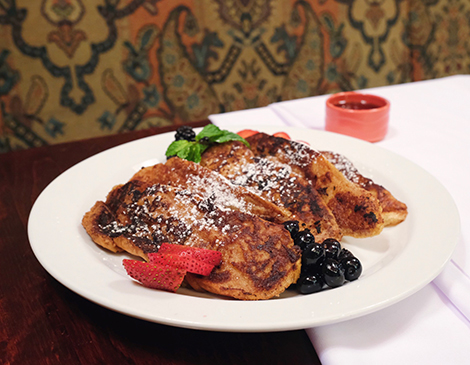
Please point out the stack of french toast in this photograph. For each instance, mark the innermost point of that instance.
(236, 201)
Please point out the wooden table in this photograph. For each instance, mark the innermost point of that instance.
(43, 322)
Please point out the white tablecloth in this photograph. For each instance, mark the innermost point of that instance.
(429, 125)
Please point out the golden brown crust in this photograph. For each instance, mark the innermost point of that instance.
(176, 172)
(259, 261)
(393, 210)
(91, 222)
(276, 183)
(234, 203)
(178, 202)
(357, 212)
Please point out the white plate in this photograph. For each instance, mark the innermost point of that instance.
(397, 263)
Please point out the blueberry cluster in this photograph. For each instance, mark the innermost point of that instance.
(324, 264)
(185, 132)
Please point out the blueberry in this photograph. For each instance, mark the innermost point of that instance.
(333, 273)
(352, 268)
(344, 253)
(303, 238)
(292, 227)
(310, 283)
(185, 132)
(312, 255)
(332, 248)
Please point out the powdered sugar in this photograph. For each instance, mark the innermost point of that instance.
(346, 167)
(265, 177)
(299, 154)
(172, 212)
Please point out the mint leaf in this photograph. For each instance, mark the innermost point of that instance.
(210, 131)
(177, 147)
(216, 135)
(230, 136)
(196, 151)
(192, 151)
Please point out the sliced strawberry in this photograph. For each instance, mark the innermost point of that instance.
(210, 257)
(183, 262)
(155, 276)
(281, 135)
(245, 133)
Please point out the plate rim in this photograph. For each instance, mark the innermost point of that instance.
(237, 325)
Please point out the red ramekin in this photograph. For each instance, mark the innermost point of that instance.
(369, 123)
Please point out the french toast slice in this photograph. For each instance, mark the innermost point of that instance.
(357, 212)
(184, 203)
(275, 182)
(393, 210)
(259, 259)
(205, 182)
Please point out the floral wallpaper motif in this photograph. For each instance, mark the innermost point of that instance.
(73, 69)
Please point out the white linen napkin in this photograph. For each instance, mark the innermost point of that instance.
(247, 118)
(430, 125)
(421, 329)
(454, 283)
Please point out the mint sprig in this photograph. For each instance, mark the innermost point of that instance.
(193, 150)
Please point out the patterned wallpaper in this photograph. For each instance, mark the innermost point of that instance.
(74, 69)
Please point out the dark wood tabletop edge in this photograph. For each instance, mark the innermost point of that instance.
(101, 143)
(63, 327)
(17, 164)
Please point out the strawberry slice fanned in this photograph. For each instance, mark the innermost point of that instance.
(181, 261)
(155, 276)
(245, 133)
(167, 268)
(282, 135)
(209, 257)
